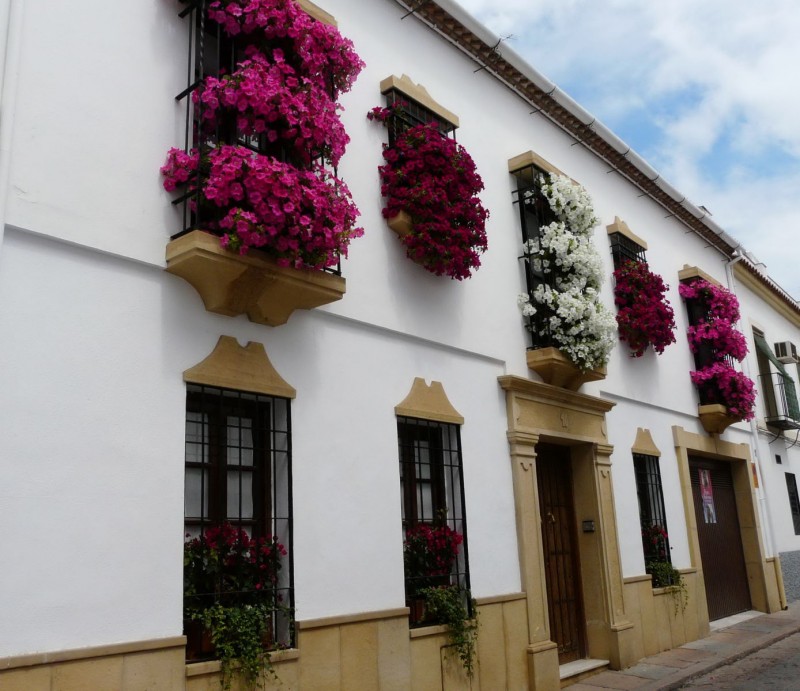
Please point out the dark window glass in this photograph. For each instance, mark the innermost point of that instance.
(794, 501)
(432, 493)
(238, 478)
(653, 517)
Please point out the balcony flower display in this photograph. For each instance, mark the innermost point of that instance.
(433, 179)
(302, 217)
(644, 317)
(719, 343)
(429, 553)
(230, 588)
(266, 135)
(566, 302)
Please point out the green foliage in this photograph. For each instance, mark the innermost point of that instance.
(239, 634)
(666, 576)
(447, 605)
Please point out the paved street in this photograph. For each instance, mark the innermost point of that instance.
(776, 667)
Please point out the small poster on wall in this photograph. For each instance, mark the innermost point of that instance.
(707, 495)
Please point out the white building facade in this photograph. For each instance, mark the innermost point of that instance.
(103, 350)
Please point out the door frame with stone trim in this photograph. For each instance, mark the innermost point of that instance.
(538, 411)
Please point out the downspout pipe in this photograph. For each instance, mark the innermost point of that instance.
(10, 44)
(763, 504)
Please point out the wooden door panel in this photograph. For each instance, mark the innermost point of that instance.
(720, 539)
(559, 547)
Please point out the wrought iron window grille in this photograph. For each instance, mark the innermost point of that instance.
(779, 390)
(213, 53)
(432, 493)
(697, 310)
(408, 113)
(622, 248)
(652, 513)
(238, 470)
(794, 501)
(534, 213)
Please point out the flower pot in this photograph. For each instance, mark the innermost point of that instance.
(198, 641)
(401, 224)
(251, 284)
(715, 418)
(558, 370)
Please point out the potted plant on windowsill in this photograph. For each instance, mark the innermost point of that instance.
(448, 605)
(431, 188)
(563, 311)
(231, 600)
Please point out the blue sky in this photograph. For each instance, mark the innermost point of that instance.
(707, 92)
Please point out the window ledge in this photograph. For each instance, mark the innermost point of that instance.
(251, 284)
(435, 630)
(197, 669)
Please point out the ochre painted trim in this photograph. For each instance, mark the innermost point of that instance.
(425, 631)
(637, 579)
(531, 158)
(418, 93)
(198, 669)
(91, 652)
(242, 368)
(553, 395)
(689, 272)
(308, 624)
(619, 226)
(758, 287)
(428, 403)
(317, 12)
(644, 443)
(498, 599)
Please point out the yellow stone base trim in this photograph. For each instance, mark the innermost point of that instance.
(558, 370)
(715, 418)
(251, 284)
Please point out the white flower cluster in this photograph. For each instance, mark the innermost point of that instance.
(570, 202)
(579, 324)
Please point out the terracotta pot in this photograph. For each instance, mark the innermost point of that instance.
(198, 641)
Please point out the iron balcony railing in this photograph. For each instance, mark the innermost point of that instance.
(780, 400)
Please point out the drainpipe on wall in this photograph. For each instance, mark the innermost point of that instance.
(10, 40)
(769, 533)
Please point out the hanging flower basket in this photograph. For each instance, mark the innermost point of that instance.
(431, 188)
(644, 317)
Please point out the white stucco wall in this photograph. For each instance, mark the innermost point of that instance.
(91, 463)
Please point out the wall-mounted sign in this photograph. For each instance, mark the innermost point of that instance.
(707, 496)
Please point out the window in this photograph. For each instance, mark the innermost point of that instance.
(780, 395)
(534, 213)
(652, 515)
(411, 106)
(432, 493)
(624, 247)
(794, 501)
(238, 488)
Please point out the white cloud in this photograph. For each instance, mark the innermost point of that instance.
(718, 82)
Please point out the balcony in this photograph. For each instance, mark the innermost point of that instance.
(780, 401)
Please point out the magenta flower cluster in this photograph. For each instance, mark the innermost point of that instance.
(317, 51)
(268, 98)
(281, 198)
(433, 179)
(645, 318)
(302, 217)
(717, 334)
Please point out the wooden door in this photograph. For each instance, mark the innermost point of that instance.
(559, 545)
(720, 539)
